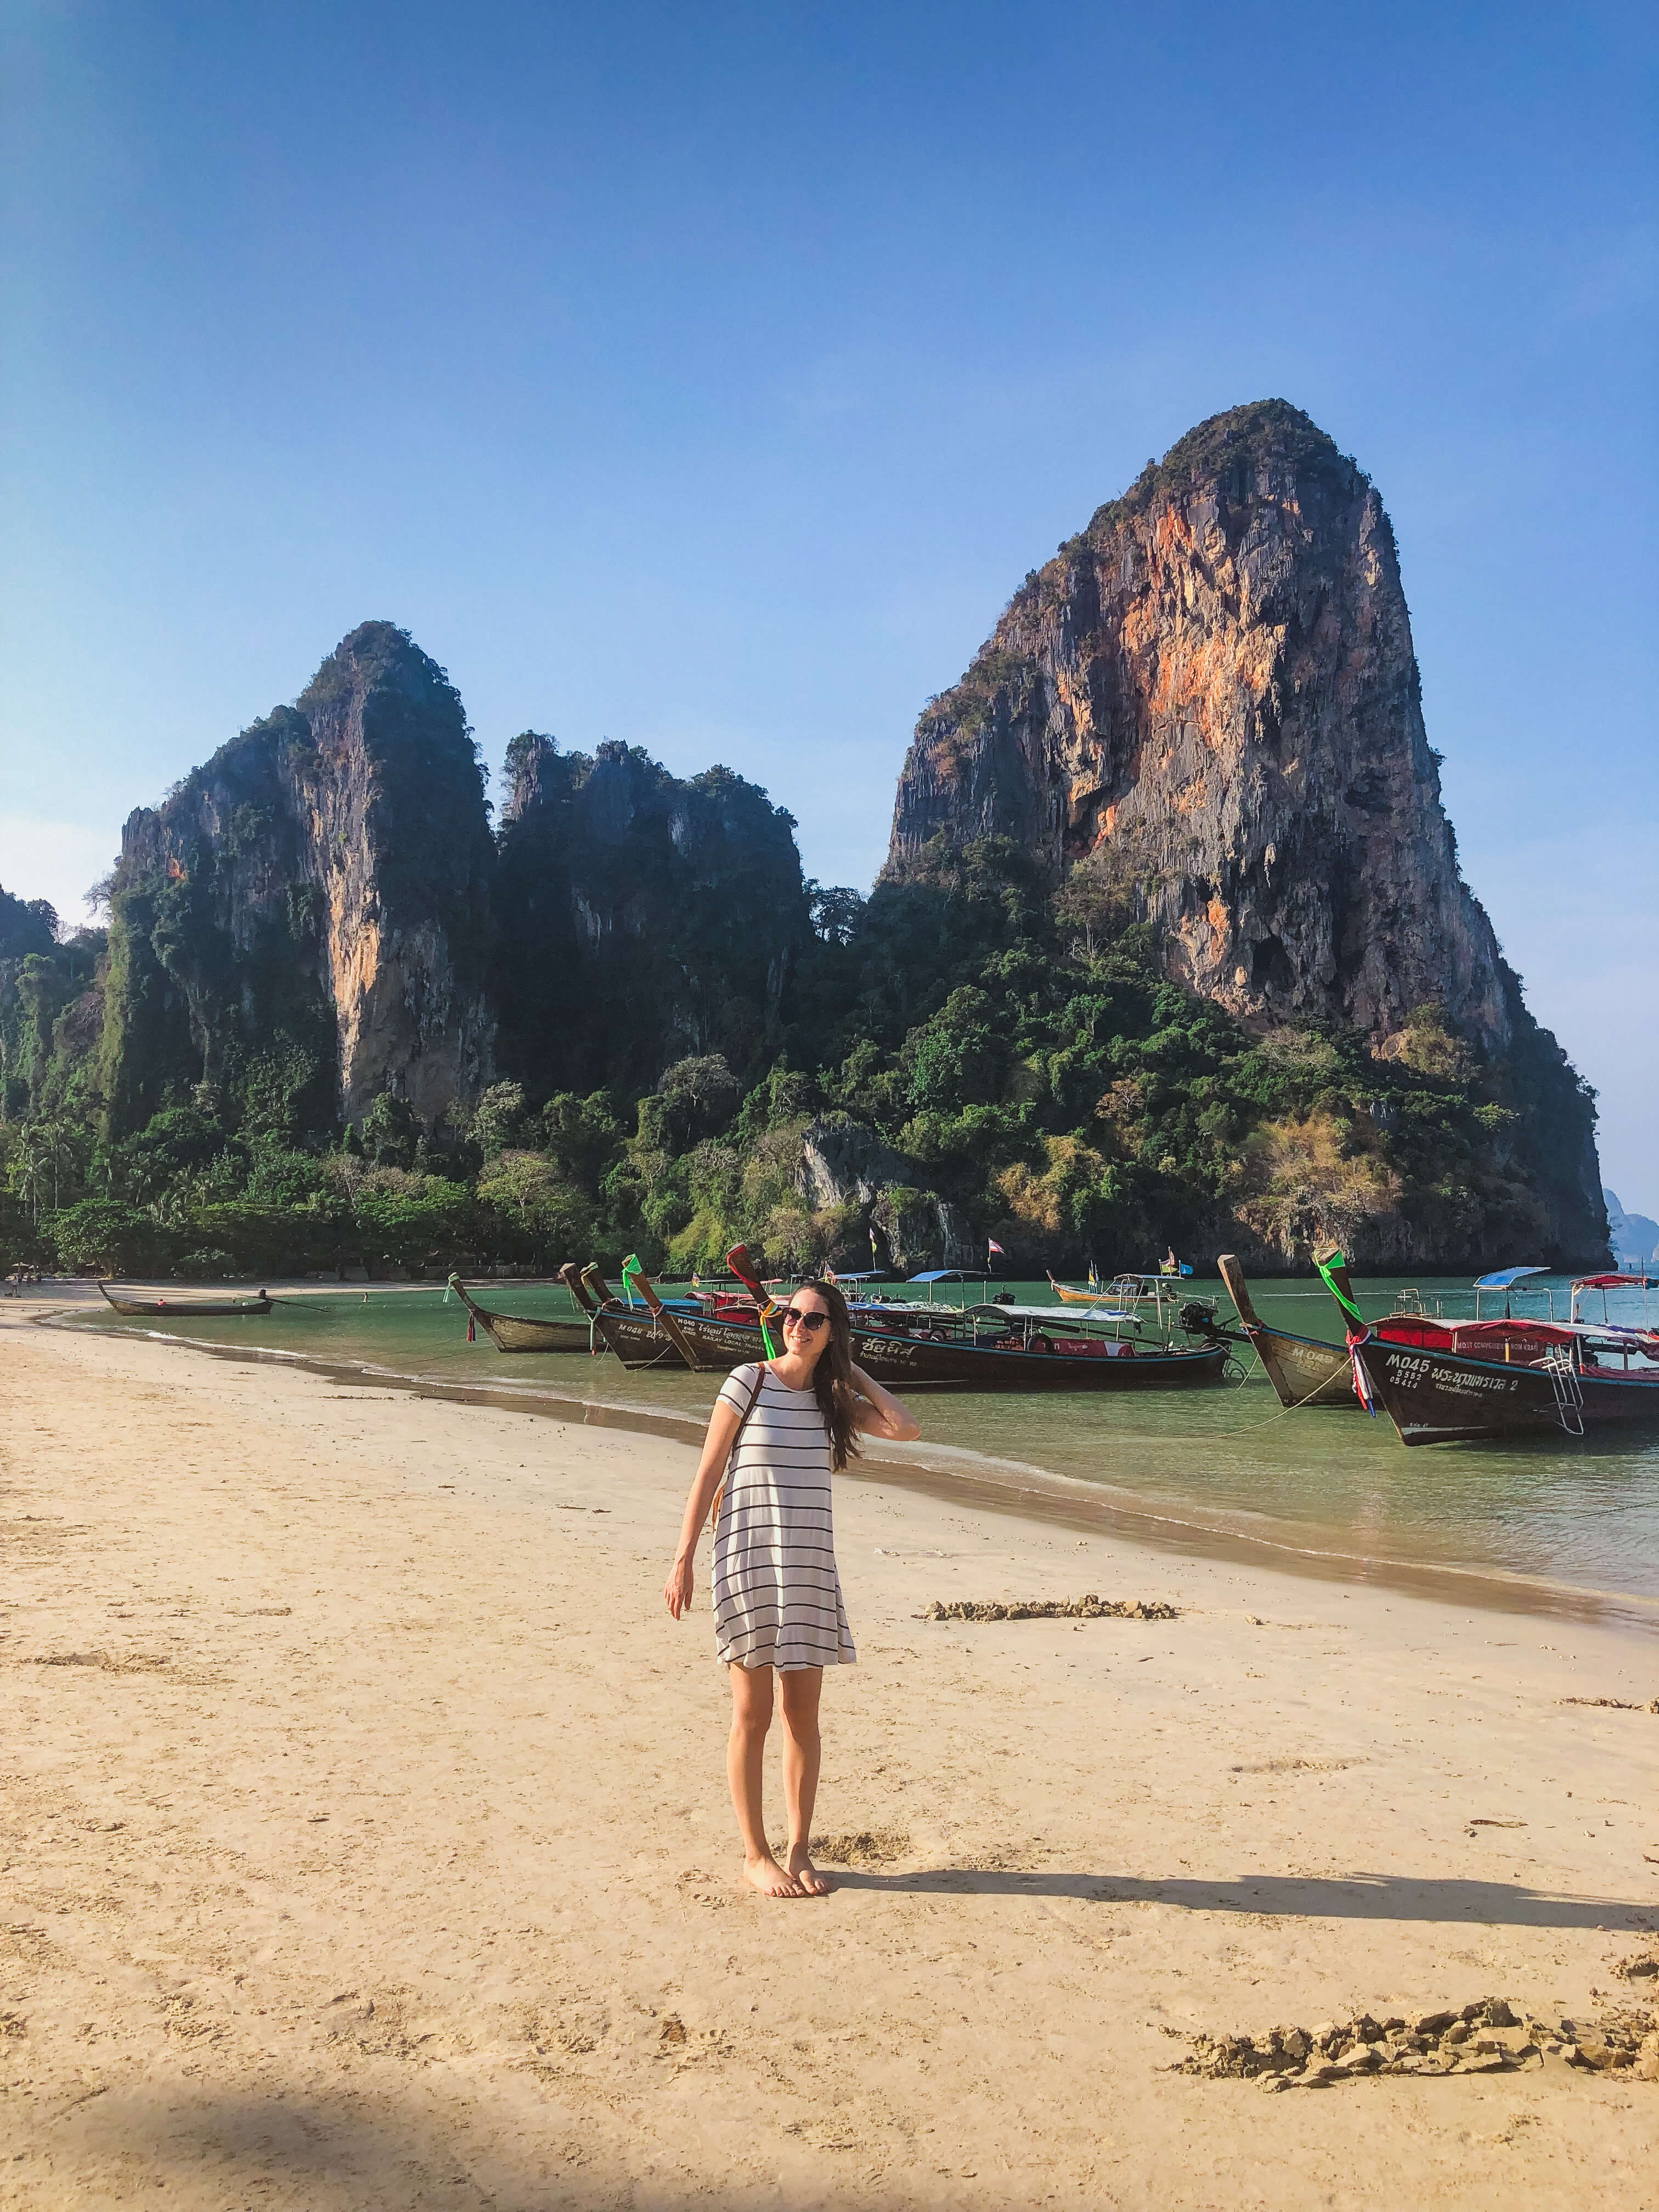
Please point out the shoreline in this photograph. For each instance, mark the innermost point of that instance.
(366, 1839)
(988, 1485)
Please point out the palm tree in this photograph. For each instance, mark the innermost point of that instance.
(47, 1151)
(33, 1169)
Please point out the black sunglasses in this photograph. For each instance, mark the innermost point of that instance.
(802, 1318)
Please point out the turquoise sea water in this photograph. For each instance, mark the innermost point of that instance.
(1329, 1488)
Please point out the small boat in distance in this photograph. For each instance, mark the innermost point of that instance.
(524, 1332)
(124, 1302)
(1304, 1369)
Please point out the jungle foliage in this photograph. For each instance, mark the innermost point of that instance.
(1016, 1065)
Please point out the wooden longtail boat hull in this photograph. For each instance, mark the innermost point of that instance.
(525, 1332)
(1304, 1369)
(521, 1332)
(177, 1308)
(906, 1360)
(1435, 1397)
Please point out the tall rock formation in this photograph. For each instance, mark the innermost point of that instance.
(1211, 694)
(643, 918)
(1208, 706)
(305, 919)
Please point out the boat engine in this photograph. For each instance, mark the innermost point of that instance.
(1197, 1317)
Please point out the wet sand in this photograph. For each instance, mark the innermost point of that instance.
(366, 1839)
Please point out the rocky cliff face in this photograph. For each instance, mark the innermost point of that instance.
(847, 1167)
(1210, 696)
(643, 918)
(320, 913)
(306, 917)
(1204, 712)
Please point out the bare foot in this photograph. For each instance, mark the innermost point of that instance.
(769, 1878)
(813, 1883)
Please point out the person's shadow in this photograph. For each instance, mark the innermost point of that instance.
(1332, 1897)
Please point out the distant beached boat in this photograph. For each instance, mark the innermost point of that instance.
(124, 1302)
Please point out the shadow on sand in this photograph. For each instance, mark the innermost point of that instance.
(1345, 1897)
(333, 2149)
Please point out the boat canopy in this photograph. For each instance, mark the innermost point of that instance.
(949, 1275)
(866, 1275)
(1511, 1332)
(1477, 1340)
(1617, 1283)
(1504, 1277)
(1067, 1320)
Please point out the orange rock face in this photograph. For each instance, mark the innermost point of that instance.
(328, 873)
(1210, 697)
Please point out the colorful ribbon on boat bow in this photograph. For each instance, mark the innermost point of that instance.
(1340, 1291)
(747, 1275)
(1329, 1267)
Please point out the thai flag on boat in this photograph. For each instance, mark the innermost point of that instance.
(993, 1246)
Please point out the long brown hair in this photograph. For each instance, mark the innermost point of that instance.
(832, 1377)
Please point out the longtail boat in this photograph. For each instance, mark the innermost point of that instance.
(1442, 1380)
(177, 1308)
(524, 1332)
(1304, 1370)
(984, 1347)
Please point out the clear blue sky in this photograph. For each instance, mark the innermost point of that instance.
(708, 377)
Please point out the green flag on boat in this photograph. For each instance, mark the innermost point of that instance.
(1328, 1268)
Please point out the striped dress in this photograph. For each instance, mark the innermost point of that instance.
(777, 1595)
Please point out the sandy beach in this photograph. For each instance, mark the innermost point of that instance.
(366, 1840)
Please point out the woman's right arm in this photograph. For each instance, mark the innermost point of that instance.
(882, 1414)
(716, 1451)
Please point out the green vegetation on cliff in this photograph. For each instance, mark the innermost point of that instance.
(962, 1055)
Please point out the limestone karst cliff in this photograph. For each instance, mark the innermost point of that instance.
(321, 914)
(304, 917)
(642, 918)
(1204, 712)
(1211, 695)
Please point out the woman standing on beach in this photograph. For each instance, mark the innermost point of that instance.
(777, 1596)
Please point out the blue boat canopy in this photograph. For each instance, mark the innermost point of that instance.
(867, 1275)
(1502, 1279)
(949, 1275)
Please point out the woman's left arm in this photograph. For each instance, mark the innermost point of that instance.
(882, 1414)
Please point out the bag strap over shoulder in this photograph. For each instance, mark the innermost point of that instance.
(737, 1437)
(754, 1400)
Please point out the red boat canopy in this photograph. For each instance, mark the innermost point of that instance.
(1512, 1331)
(1440, 1334)
(1616, 1283)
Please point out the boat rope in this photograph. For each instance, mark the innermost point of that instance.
(1250, 1427)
